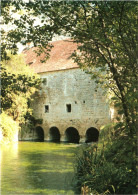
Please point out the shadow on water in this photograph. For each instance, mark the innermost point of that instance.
(39, 168)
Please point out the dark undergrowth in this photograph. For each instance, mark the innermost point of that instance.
(108, 167)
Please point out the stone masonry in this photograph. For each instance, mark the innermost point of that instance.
(70, 87)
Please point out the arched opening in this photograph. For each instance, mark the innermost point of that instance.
(92, 135)
(72, 135)
(54, 134)
(39, 134)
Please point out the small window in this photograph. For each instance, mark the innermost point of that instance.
(46, 108)
(44, 81)
(68, 106)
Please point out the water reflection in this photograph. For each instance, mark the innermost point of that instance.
(37, 168)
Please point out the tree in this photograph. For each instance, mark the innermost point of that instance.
(19, 83)
(109, 44)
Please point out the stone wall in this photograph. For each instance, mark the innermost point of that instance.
(73, 87)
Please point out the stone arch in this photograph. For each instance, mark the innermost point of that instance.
(54, 134)
(72, 135)
(39, 133)
(92, 135)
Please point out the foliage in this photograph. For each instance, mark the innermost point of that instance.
(109, 44)
(19, 18)
(106, 170)
(9, 127)
(19, 83)
(108, 167)
(29, 124)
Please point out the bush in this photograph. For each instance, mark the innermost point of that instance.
(109, 169)
(9, 128)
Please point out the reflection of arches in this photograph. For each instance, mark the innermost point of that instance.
(40, 133)
(54, 134)
(92, 135)
(72, 135)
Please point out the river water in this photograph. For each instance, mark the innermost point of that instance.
(37, 168)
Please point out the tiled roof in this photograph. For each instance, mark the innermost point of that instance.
(59, 57)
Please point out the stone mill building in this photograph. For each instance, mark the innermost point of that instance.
(72, 108)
